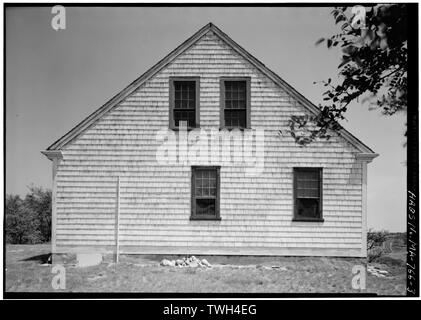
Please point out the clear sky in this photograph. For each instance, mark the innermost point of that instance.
(54, 79)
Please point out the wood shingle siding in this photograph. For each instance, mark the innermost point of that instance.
(155, 202)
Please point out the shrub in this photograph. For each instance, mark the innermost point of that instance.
(28, 220)
(375, 244)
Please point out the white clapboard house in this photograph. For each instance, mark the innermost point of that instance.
(118, 188)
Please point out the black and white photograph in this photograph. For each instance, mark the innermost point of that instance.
(230, 150)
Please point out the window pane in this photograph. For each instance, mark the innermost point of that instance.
(212, 192)
(206, 182)
(185, 94)
(308, 208)
(235, 118)
(235, 85)
(312, 184)
(307, 193)
(308, 183)
(185, 115)
(198, 192)
(308, 175)
(213, 183)
(235, 94)
(199, 182)
(205, 207)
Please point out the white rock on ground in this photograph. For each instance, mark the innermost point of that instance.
(377, 272)
(168, 263)
(206, 263)
(192, 262)
(88, 259)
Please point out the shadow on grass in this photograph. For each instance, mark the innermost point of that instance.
(42, 258)
(390, 261)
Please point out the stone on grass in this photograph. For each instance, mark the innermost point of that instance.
(88, 259)
(168, 263)
(192, 262)
(382, 271)
(100, 276)
(376, 271)
(206, 263)
(280, 268)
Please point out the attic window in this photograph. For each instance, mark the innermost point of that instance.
(184, 102)
(308, 194)
(235, 103)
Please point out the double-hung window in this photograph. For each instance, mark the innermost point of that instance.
(235, 102)
(308, 194)
(184, 102)
(205, 193)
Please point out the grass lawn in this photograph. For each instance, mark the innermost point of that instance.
(25, 272)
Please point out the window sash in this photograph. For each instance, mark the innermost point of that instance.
(235, 94)
(309, 207)
(187, 115)
(203, 206)
(184, 94)
(235, 118)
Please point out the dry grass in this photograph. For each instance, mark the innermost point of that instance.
(25, 273)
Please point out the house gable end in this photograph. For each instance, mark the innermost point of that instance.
(199, 37)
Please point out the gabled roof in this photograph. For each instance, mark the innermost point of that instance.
(92, 118)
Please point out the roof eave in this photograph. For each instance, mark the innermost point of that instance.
(52, 154)
(366, 157)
